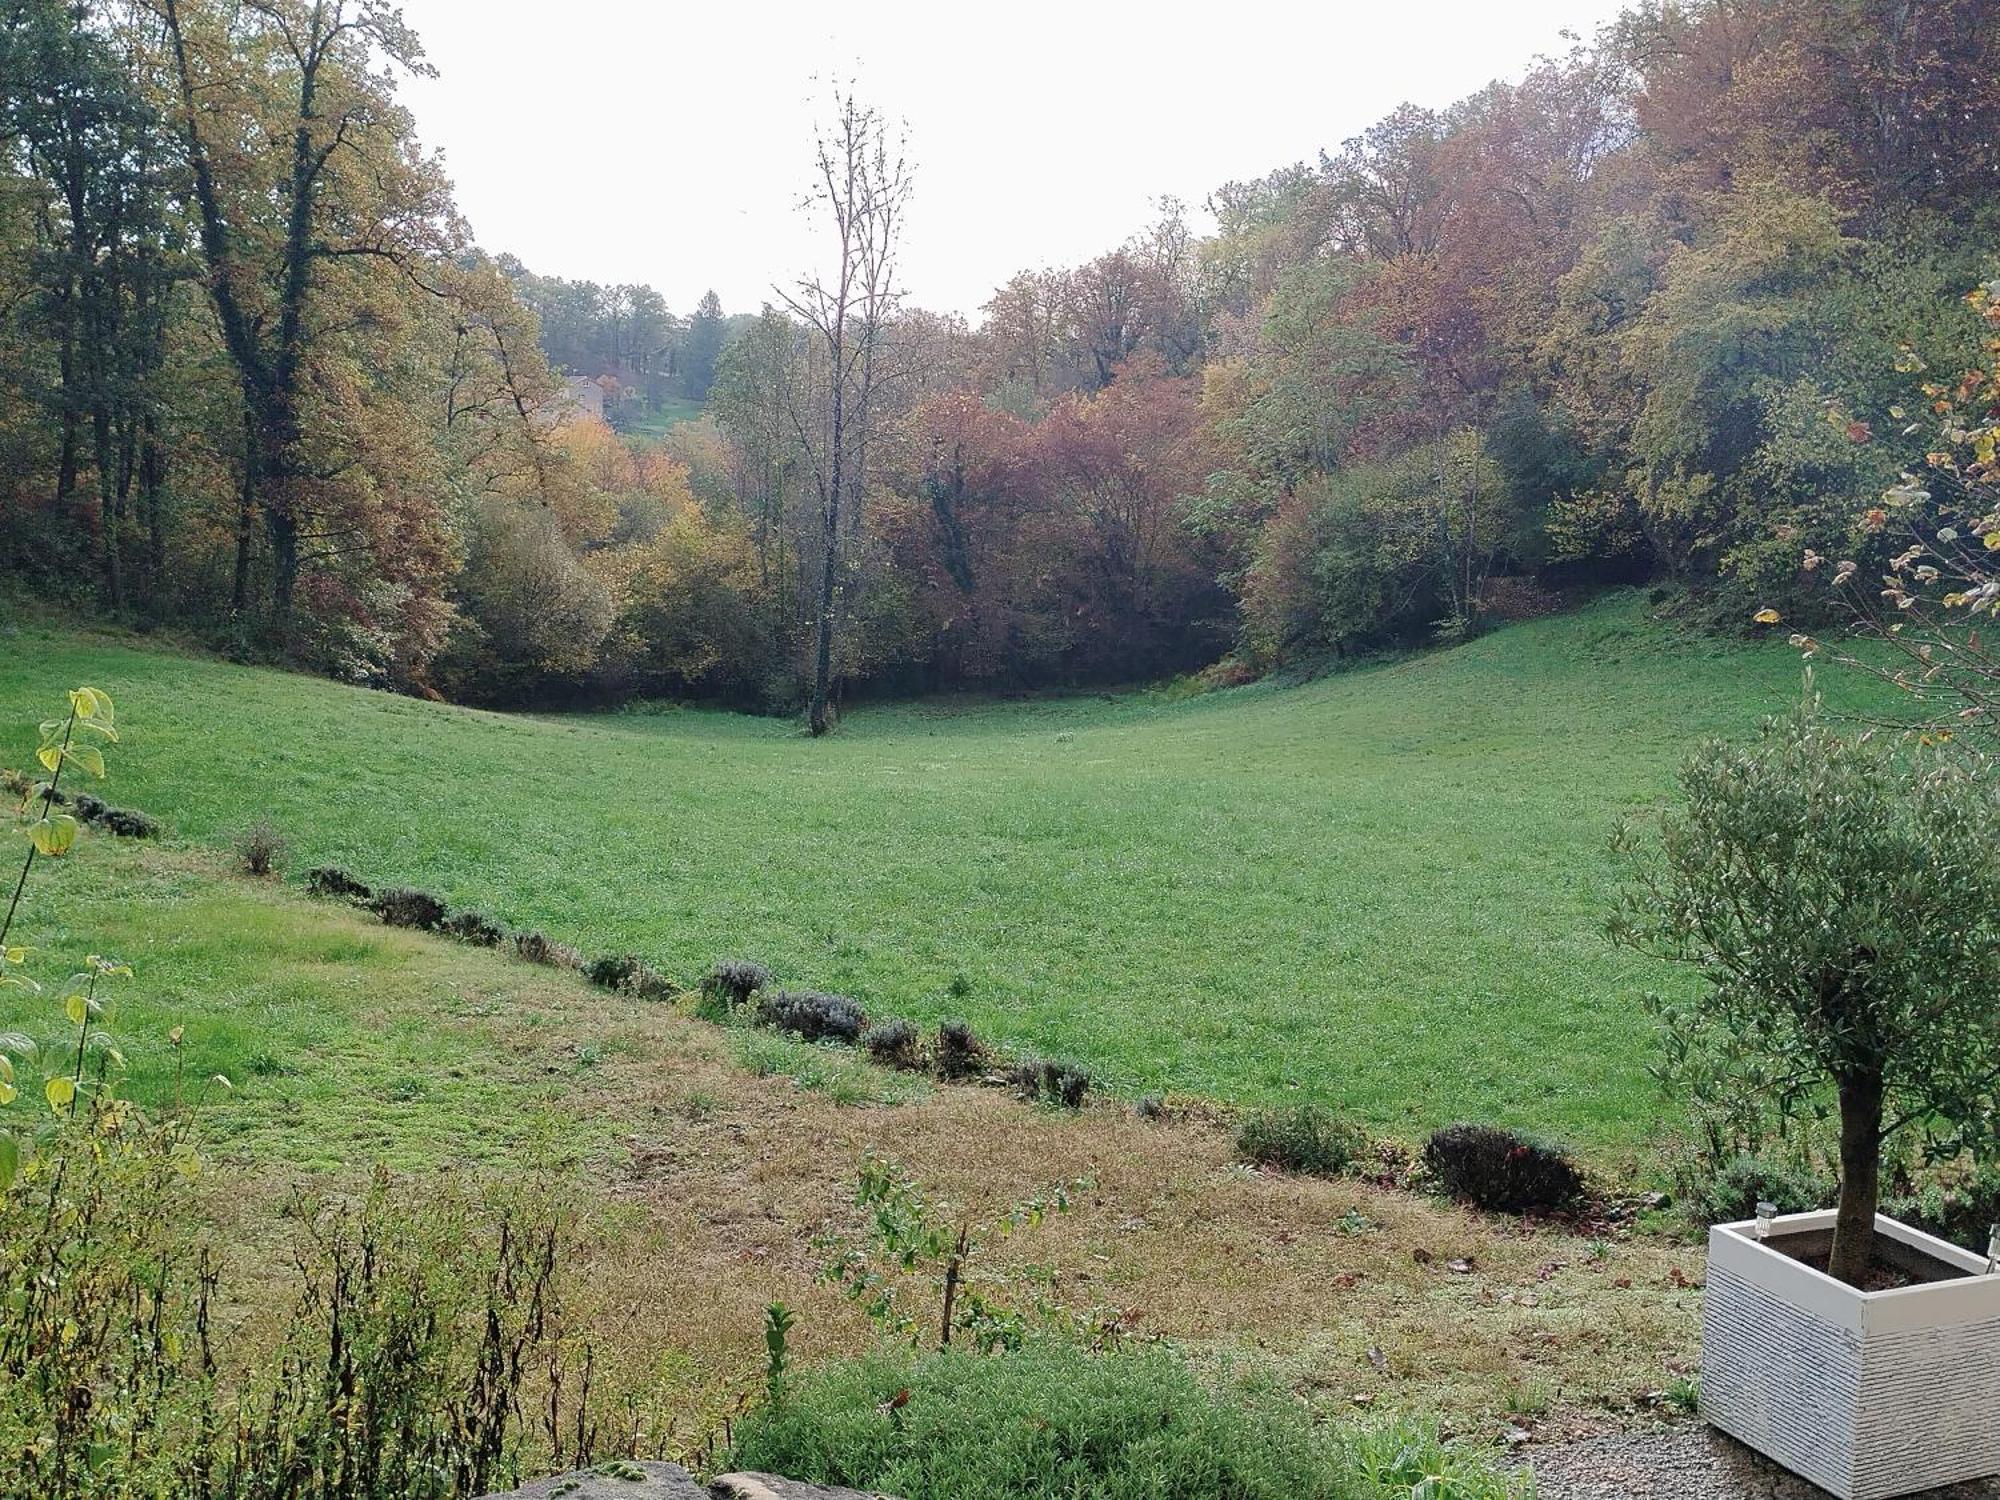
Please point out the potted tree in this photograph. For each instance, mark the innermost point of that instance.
(1841, 901)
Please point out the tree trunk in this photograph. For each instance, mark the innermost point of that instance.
(1860, 1176)
(152, 477)
(107, 507)
(819, 718)
(246, 520)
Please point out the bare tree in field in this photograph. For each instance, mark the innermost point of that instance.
(862, 187)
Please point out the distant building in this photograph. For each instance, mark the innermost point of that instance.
(586, 399)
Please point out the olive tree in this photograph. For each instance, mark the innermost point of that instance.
(1841, 900)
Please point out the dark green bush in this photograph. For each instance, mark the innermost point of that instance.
(1962, 1211)
(1054, 1420)
(332, 883)
(629, 974)
(128, 823)
(1057, 1082)
(893, 1044)
(539, 948)
(812, 1015)
(1502, 1170)
(401, 907)
(1300, 1138)
(475, 927)
(959, 1053)
(1744, 1182)
(1050, 1420)
(729, 985)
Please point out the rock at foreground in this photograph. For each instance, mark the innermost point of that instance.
(623, 1480)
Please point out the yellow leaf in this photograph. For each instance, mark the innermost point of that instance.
(50, 756)
(61, 1093)
(77, 1009)
(53, 836)
(8, 1093)
(89, 757)
(1993, 540)
(1766, 616)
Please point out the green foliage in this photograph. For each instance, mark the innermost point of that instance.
(1733, 1192)
(402, 906)
(923, 1254)
(629, 974)
(333, 883)
(1841, 903)
(1300, 1138)
(893, 1044)
(812, 1015)
(1961, 1206)
(1501, 1170)
(778, 1323)
(959, 1053)
(729, 986)
(1056, 1420)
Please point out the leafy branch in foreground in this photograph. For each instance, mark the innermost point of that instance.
(923, 1246)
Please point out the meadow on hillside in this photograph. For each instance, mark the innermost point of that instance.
(1383, 889)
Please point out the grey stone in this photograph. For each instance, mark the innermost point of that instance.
(623, 1480)
(771, 1487)
(614, 1481)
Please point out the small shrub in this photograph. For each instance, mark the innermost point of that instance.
(1493, 1168)
(1058, 1082)
(475, 927)
(959, 1053)
(1300, 1138)
(1745, 1181)
(893, 1044)
(539, 948)
(1065, 1083)
(1025, 1077)
(728, 985)
(399, 906)
(1129, 1422)
(1962, 1211)
(332, 883)
(629, 974)
(812, 1015)
(128, 823)
(260, 848)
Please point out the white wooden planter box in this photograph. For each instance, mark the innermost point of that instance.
(1867, 1394)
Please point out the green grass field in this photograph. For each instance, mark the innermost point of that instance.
(671, 412)
(1384, 889)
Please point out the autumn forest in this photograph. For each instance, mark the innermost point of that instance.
(1644, 312)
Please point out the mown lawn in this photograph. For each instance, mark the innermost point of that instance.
(1385, 889)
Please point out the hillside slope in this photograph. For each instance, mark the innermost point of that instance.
(1385, 889)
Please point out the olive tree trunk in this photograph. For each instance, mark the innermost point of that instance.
(1860, 1176)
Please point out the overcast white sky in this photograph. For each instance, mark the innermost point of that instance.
(636, 140)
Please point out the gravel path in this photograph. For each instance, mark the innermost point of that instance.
(1693, 1462)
